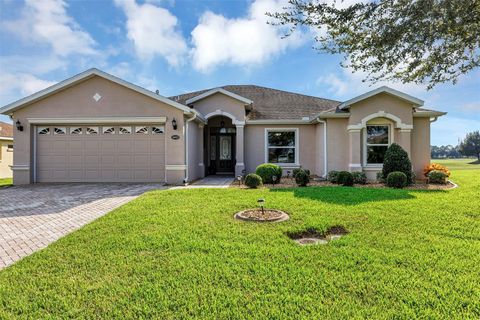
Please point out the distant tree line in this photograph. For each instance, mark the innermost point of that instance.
(469, 147)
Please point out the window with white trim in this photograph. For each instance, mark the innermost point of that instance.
(377, 142)
(281, 146)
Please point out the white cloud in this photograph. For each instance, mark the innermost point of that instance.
(473, 107)
(250, 40)
(153, 31)
(47, 22)
(349, 84)
(20, 84)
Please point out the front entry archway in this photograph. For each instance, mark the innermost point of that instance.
(220, 145)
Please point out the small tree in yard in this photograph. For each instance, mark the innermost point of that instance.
(396, 159)
(470, 146)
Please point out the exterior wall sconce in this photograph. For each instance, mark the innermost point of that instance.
(174, 124)
(19, 125)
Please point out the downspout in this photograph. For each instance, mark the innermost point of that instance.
(186, 146)
(324, 146)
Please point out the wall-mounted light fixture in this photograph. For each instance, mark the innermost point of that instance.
(174, 124)
(19, 125)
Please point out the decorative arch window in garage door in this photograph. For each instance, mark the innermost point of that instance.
(143, 130)
(158, 130)
(92, 130)
(59, 130)
(108, 130)
(125, 130)
(76, 130)
(43, 130)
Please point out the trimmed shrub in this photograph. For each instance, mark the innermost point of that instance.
(345, 178)
(396, 159)
(359, 177)
(267, 170)
(437, 177)
(380, 177)
(302, 178)
(297, 170)
(397, 180)
(333, 176)
(436, 167)
(253, 180)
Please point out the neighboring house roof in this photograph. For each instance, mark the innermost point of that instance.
(415, 101)
(82, 77)
(6, 131)
(271, 104)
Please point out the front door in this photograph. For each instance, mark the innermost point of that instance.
(222, 152)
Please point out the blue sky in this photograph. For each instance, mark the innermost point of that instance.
(178, 46)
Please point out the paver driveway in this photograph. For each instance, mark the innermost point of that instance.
(32, 217)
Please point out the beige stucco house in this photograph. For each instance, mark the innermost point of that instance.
(6, 150)
(95, 127)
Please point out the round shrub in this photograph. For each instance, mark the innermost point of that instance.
(253, 180)
(297, 170)
(333, 176)
(436, 167)
(302, 178)
(397, 180)
(267, 170)
(396, 159)
(437, 177)
(359, 177)
(345, 178)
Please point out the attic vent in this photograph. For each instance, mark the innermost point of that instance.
(97, 97)
(305, 118)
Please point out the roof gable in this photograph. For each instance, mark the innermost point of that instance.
(82, 77)
(218, 90)
(403, 96)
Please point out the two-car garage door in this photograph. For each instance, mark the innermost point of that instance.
(100, 153)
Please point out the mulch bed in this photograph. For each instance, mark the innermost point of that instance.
(290, 183)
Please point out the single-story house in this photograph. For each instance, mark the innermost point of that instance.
(95, 127)
(6, 150)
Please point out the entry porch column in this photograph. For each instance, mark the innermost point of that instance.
(239, 143)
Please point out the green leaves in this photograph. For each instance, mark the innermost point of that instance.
(421, 41)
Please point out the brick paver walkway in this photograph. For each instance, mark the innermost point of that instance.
(32, 217)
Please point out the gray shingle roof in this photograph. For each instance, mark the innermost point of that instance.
(272, 104)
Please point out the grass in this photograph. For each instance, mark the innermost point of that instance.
(459, 164)
(179, 254)
(6, 182)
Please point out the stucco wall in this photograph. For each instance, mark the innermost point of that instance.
(77, 102)
(420, 145)
(337, 146)
(255, 145)
(221, 102)
(6, 159)
(381, 102)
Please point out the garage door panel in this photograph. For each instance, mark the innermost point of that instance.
(100, 157)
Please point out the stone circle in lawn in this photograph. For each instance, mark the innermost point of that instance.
(312, 236)
(268, 215)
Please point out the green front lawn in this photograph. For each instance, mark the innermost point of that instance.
(6, 182)
(179, 254)
(458, 164)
